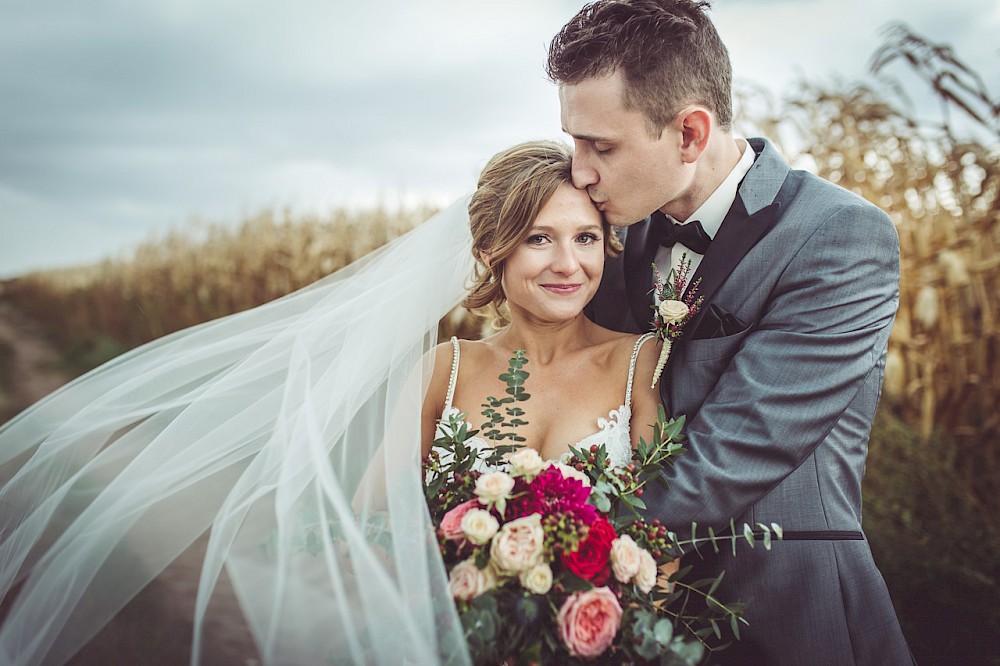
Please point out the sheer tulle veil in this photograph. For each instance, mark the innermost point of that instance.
(290, 433)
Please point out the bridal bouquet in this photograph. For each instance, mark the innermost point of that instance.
(550, 562)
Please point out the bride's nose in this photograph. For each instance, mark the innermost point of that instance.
(565, 261)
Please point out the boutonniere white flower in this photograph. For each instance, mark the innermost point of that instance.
(676, 308)
(673, 311)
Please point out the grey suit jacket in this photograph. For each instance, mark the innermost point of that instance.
(779, 377)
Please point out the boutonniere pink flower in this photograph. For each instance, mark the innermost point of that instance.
(676, 308)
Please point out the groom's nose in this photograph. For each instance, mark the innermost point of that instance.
(583, 175)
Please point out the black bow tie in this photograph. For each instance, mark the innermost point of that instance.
(668, 233)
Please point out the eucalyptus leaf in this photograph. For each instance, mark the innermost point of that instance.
(648, 648)
(663, 631)
(748, 534)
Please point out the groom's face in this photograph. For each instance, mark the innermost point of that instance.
(627, 170)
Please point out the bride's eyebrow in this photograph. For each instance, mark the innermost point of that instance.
(546, 229)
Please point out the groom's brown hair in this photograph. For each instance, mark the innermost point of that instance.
(667, 51)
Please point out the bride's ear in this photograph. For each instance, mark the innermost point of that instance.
(485, 257)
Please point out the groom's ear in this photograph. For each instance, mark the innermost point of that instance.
(695, 127)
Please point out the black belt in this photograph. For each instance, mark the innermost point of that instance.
(822, 535)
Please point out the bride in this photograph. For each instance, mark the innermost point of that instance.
(540, 246)
(261, 430)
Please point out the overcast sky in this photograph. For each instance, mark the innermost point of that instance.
(121, 119)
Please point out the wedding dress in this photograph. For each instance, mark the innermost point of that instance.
(613, 432)
(289, 433)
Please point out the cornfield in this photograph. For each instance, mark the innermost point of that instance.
(201, 273)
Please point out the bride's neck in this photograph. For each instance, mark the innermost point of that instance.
(545, 342)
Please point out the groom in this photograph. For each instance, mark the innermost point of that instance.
(780, 371)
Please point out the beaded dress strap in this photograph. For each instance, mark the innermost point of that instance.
(454, 374)
(631, 366)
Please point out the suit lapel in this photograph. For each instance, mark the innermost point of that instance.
(639, 256)
(737, 236)
(753, 214)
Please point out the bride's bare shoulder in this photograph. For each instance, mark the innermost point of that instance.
(615, 341)
(480, 352)
(471, 354)
(439, 360)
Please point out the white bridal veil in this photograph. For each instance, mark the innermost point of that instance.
(290, 433)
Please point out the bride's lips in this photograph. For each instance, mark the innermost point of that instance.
(561, 289)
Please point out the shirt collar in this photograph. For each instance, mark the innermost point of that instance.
(714, 210)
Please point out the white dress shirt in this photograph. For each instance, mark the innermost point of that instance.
(710, 214)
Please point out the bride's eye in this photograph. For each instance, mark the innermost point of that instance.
(536, 239)
(588, 238)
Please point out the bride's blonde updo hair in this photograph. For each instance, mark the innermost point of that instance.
(513, 188)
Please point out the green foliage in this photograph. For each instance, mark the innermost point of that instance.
(445, 491)
(936, 544)
(495, 421)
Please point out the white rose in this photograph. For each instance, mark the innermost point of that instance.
(519, 545)
(625, 559)
(645, 579)
(537, 579)
(494, 487)
(467, 581)
(479, 526)
(673, 311)
(570, 472)
(525, 462)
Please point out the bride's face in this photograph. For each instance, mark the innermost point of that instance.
(557, 269)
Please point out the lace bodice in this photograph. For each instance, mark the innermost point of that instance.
(613, 431)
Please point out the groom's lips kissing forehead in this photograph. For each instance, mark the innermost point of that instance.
(598, 201)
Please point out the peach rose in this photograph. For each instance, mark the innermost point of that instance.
(467, 581)
(588, 622)
(625, 559)
(451, 524)
(519, 545)
(479, 526)
(645, 578)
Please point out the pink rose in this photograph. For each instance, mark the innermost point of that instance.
(451, 524)
(588, 622)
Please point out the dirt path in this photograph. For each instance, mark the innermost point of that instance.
(156, 626)
(33, 370)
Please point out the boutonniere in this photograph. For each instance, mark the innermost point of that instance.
(675, 309)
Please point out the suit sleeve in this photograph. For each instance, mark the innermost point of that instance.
(819, 338)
